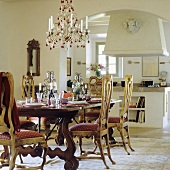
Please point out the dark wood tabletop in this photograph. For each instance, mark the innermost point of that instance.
(65, 112)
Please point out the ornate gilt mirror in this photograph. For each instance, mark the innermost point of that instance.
(33, 58)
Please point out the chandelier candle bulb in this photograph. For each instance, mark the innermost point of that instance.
(51, 22)
(49, 25)
(71, 24)
(81, 25)
(31, 72)
(86, 22)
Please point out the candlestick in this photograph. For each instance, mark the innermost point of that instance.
(51, 86)
(55, 86)
(39, 86)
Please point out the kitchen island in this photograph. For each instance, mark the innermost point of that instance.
(149, 106)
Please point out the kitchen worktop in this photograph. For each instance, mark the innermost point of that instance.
(142, 89)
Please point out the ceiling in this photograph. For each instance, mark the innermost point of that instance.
(96, 20)
(101, 21)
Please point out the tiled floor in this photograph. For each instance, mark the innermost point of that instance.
(152, 152)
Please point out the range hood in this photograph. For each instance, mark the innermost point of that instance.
(147, 40)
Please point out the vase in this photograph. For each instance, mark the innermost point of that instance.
(98, 73)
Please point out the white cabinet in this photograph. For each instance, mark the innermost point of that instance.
(153, 112)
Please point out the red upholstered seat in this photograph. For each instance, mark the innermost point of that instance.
(84, 127)
(89, 116)
(23, 134)
(114, 120)
(111, 120)
(93, 114)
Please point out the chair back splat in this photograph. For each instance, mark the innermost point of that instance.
(28, 89)
(10, 133)
(94, 90)
(98, 130)
(95, 86)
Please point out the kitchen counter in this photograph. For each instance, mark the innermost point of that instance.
(142, 89)
(155, 110)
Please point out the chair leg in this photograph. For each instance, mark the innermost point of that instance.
(45, 146)
(5, 156)
(123, 139)
(108, 149)
(95, 148)
(99, 141)
(128, 138)
(14, 153)
(80, 145)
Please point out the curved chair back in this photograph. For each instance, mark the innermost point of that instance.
(95, 86)
(127, 96)
(28, 89)
(9, 119)
(107, 88)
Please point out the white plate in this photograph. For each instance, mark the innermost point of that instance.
(96, 98)
(34, 104)
(77, 102)
(20, 102)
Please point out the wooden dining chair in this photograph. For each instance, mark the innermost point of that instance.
(94, 90)
(11, 136)
(98, 131)
(28, 91)
(121, 122)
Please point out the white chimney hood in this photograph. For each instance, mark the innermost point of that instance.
(145, 38)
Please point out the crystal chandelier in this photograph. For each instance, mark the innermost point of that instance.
(66, 32)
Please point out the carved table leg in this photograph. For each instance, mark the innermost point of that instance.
(59, 138)
(71, 162)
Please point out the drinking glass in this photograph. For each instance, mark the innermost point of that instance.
(39, 97)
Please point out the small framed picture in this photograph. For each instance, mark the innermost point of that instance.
(68, 66)
(150, 66)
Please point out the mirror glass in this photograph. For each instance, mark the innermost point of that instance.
(33, 58)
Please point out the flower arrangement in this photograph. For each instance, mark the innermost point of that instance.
(96, 67)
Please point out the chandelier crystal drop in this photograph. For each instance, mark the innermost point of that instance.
(66, 32)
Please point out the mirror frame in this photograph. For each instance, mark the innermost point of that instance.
(33, 45)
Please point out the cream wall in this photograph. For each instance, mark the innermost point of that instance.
(21, 21)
